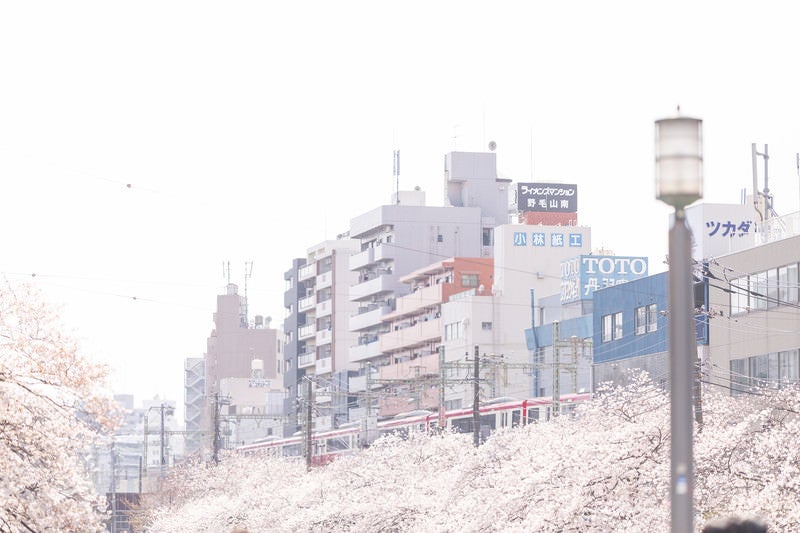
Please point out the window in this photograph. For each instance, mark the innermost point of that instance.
(439, 238)
(453, 330)
(788, 367)
(739, 296)
(486, 326)
(488, 236)
(652, 318)
(469, 280)
(758, 291)
(617, 325)
(641, 321)
(772, 287)
(605, 328)
(787, 284)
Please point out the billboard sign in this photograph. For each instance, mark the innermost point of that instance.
(582, 275)
(547, 197)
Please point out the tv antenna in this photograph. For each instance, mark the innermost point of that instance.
(396, 174)
(248, 273)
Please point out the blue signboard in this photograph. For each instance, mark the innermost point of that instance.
(583, 275)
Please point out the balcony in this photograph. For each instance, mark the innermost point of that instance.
(374, 286)
(369, 316)
(420, 366)
(306, 360)
(324, 366)
(324, 280)
(324, 336)
(306, 332)
(419, 299)
(306, 303)
(324, 308)
(419, 333)
(363, 352)
(362, 259)
(370, 256)
(307, 272)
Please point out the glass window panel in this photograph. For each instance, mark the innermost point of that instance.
(617, 326)
(772, 372)
(788, 367)
(783, 285)
(759, 370)
(772, 287)
(606, 328)
(739, 379)
(758, 291)
(641, 320)
(652, 317)
(739, 297)
(791, 284)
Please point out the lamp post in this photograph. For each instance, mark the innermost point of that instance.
(679, 182)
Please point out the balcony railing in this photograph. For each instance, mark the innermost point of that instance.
(307, 331)
(306, 359)
(306, 272)
(421, 332)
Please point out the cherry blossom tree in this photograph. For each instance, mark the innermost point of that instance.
(50, 411)
(605, 469)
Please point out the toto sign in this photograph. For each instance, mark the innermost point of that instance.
(583, 275)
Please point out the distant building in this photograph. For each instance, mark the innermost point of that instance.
(194, 384)
(235, 345)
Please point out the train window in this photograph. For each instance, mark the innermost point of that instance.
(533, 415)
(292, 450)
(489, 421)
(516, 417)
(462, 425)
(338, 443)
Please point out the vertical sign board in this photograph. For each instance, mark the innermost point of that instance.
(547, 197)
(582, 275)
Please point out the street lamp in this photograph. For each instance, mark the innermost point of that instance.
(679, 182)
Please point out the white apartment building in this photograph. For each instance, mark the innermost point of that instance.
(400, 238)
(527, 259)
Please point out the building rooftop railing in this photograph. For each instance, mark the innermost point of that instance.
(778, 228)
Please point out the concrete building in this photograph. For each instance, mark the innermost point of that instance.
(317, 331)
(527, 261)
(411, 378)
(236, 343)
(407, 235)
(754, 310)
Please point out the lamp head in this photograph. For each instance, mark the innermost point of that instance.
(679, 161)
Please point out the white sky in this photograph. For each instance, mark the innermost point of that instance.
(250, 131)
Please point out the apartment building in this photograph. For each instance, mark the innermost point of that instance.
(411, 377)
(317, 331)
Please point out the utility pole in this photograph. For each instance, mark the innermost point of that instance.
(476, 400)
(309, 414)
(163, 459)
(217, 436)
(442, 420)
(556, 409)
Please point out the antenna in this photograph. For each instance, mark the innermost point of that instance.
(248, 272)
(226, 271)
(396, 174)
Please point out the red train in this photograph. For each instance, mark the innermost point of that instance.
(494, 414)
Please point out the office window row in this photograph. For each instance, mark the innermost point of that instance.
(775, 370)
(763, 290)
